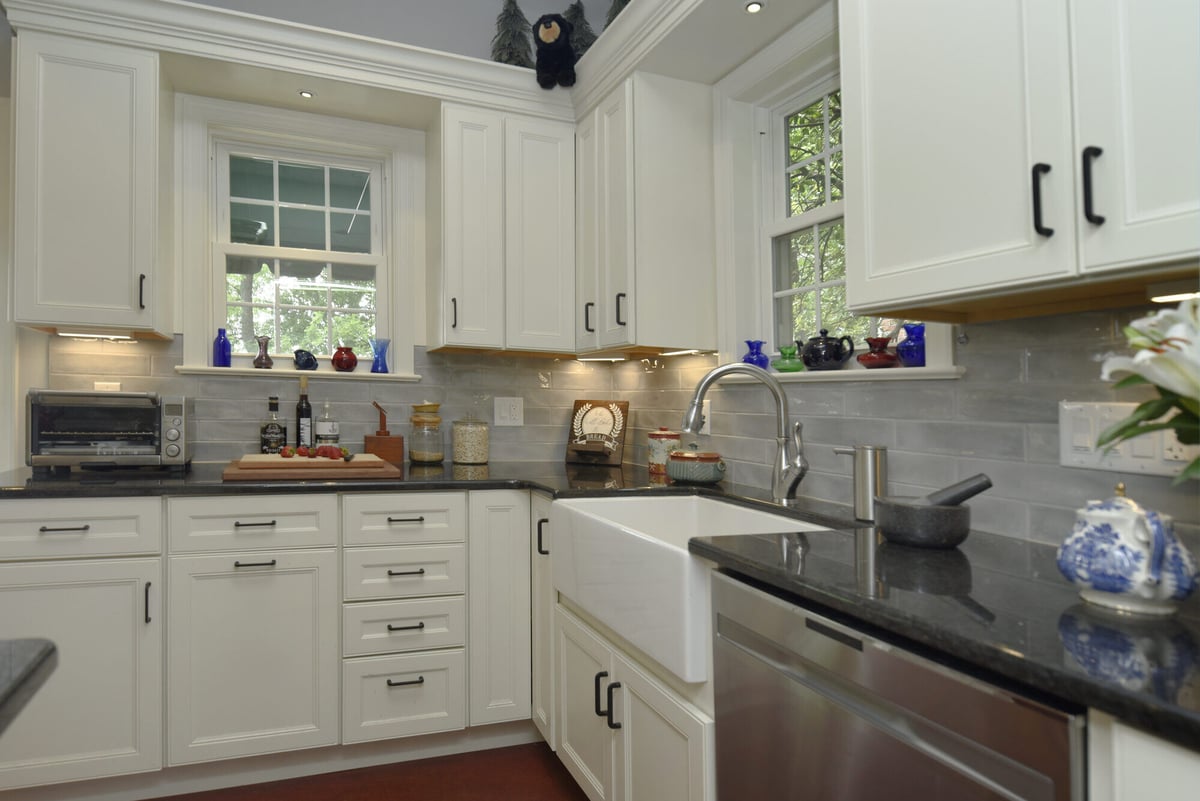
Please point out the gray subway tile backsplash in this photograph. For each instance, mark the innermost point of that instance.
(1000, 418)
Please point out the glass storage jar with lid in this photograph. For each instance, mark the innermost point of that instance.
(425, 441)
(470, 441)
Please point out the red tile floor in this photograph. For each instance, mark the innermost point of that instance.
(520, 773)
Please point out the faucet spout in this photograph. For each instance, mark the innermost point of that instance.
(790, 464)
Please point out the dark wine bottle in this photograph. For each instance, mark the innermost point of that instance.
(304, 421)
(273, 433)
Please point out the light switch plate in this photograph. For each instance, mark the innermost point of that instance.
(1157, 453)
(509, 411)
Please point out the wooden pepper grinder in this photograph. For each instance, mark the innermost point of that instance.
(383, 444)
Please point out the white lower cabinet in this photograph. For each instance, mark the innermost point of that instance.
(542, 603)
(498, 600)
(100, 712)
(252, 654)
(622, 734)
(404, 616)
(252, 659)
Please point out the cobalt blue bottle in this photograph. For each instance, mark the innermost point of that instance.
(222, 350)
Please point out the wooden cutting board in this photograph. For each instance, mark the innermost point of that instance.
(269, 467)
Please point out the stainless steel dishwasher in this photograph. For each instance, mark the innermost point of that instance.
(809, 708)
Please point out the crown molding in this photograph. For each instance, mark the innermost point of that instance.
(207, 32)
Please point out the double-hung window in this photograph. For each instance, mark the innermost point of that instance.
(300, 246)
(808, 241)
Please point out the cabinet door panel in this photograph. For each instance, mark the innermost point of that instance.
(941, 140)
(539, 208)
(542, 601)
(473, 222)
(1137, 77)
(407, 571)
(253, 660)
(665, 749)
(100, 712)
(409, 625)
(587, 243)
(585, 743)
(499, 606)
(86, 170)
(74, 527)
(616, 229)
(252, 523)
(404, 518)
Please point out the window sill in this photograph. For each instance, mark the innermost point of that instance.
(862, 374)
(291, 372)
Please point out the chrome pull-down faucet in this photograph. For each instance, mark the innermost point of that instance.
(790, 464)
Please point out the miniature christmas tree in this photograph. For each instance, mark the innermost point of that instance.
(582, 35)
(615, 9)
(511, 44)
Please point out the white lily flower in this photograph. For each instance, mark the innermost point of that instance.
(1168, 350)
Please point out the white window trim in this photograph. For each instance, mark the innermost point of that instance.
(746, 103)
(203, 122)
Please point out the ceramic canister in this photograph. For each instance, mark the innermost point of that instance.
(662, 442)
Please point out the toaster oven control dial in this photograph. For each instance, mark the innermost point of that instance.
(172, 434)
(172, 450)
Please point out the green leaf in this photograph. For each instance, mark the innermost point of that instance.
(1150, 410)
(1131, 380)
(1191, 471)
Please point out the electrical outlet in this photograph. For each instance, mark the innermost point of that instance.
(509, 411)
(106, 386)
(1079, 425)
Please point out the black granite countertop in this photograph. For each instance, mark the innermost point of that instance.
(996, 607)
(24, 666)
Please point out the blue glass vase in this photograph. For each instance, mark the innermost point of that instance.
(912, 350)
(755, 355)
(379, 348)
(222, 350)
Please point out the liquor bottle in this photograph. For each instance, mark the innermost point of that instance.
(273, 434)
(326, 428)
(304, 421)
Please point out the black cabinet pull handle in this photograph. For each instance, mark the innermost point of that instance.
(1039, 170)
(147, 602)
(240, 524)
(587, 317)
(142, 291)
(1090, 154)
(612, 724)
(420, 571)
(620, 297)
(419, 627)
(543, 521)
(406, 519)
(454, 312)
(255, 564)
(50, 530)
(596, 693)
(417, 680)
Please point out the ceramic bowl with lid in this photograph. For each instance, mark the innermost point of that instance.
(696, 467)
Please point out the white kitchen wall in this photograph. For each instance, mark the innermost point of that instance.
(1000, 418)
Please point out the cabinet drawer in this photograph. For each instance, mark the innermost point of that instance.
(404, 518)
(415, 625)
(252, 522)
(71, 527)
(405, 572)
(397, 696)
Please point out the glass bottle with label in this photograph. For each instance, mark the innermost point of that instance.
(304, 421)
(273, 433)
(326, 428)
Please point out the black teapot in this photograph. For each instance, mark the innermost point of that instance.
(825, 352)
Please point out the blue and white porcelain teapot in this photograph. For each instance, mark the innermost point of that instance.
(1125, 557)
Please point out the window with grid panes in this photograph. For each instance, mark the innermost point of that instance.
(302, 250)
(809, 251)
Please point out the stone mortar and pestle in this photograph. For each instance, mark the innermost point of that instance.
(935, 520)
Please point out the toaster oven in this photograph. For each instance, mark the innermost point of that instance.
(99, 430)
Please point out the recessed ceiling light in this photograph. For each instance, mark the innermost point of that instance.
(307, 94)
(754, 8)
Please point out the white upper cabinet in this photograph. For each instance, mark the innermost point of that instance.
(89, 251)
(967, 175)
(645, 256)
(504, 187)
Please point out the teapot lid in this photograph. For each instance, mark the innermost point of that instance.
(1118, 502)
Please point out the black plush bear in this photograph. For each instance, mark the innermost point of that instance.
(554, 58)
